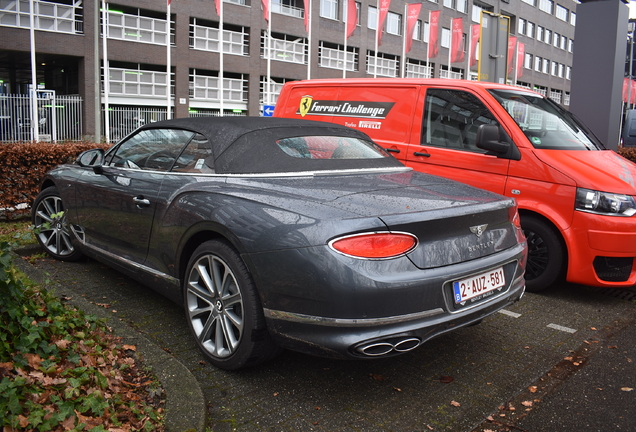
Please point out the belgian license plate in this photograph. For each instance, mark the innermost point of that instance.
(474, 286)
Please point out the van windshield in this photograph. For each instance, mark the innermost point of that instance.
(546, 124)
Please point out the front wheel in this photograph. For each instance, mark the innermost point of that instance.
(52, 230)
(546, 254)
(223, 309)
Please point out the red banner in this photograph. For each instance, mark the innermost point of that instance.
(352, 17)
(457, 46)
(412, 15)
(512, 48)
(475, 33)
(265, 4)
(521, 54)
(217, 4)
(627, 83)
(307, 11)
(433, 34)
(384, 9)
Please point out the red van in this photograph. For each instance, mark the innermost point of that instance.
(576, 198)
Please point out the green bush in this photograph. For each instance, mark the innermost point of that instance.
(24, 166)
(60, 369)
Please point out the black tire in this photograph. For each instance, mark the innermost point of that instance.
(223, 309)
(546, 254)
(52, 231)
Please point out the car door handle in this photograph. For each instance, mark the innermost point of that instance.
(141, 202)
(391, 150)
(422, 154)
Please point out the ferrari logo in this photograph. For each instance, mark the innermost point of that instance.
(305, 105)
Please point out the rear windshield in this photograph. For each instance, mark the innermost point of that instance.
(330, 147)
(547, 125)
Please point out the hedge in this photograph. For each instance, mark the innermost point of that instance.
(24, 166)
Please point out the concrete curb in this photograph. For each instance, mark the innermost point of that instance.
(185, 404)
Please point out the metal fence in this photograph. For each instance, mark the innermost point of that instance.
(59, 117)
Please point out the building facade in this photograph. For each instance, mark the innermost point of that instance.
(69, 51)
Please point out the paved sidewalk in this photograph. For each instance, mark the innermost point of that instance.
(562, 342)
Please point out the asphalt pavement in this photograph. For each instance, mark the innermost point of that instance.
(555, 361)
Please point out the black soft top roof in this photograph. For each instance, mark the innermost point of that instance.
(247, 145)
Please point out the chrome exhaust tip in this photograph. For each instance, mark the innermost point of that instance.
(393, 345)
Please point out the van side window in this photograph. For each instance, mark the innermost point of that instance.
(451, 119)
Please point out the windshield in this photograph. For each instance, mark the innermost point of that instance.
(547, 125)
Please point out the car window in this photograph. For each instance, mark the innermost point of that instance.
(452, 118)
(545, 124)
(197, 157)
(330, 147)
(151, 149)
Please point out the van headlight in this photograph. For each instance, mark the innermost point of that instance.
(605, 203)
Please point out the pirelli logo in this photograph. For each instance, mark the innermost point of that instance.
(374, 110)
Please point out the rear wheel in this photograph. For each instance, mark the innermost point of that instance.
(223, 309)
(546, 254)
(53, 232)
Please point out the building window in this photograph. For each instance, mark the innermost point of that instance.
(284, 47)
(521, 26)
(383, 64)
(545, 68)
(555, 39)
(204, 35)
(373, 18)
(137, 80)
(449, 4)
(562, 42)
(527, 61)
(573, 18)
(555, 95)
(269, 93)
(561, 13)
(546, 6)
(329, 9)
(568, 72)
(540, 31)
(548, 36)
(394, 24)
(570, 45)
(418, 69)
(292, 8)
(530, 2)
(333, 56)
(446, 38)
(204, 86)
(555, 68)
(462, 6)
(417, 30)
(137, 25)
(56, 16)
(537, 63)
(561, 70)
(529, 29)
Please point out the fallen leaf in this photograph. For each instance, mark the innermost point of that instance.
(512, 408)
(455, 404)
(568, 358)
(627, 389)
(130, 347)
(445, 379)
(612, 347)
(533, 389)
(276, 394)
(489, 418)
(397, 389)
(592, 328)
(576, 363)
(377, 377)
(527, 403)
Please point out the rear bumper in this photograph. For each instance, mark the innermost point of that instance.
(382, 336)
(602, 250)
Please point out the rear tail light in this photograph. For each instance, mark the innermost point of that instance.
(513, 216)
(375, 245)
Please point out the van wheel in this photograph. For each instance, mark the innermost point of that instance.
(223, 308)
(545, 254)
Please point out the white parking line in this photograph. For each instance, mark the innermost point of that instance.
(561, 328)
(509, 313)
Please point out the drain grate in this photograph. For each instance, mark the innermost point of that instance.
(628, 294)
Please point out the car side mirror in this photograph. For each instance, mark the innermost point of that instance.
(488, 139)
(92, 158)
